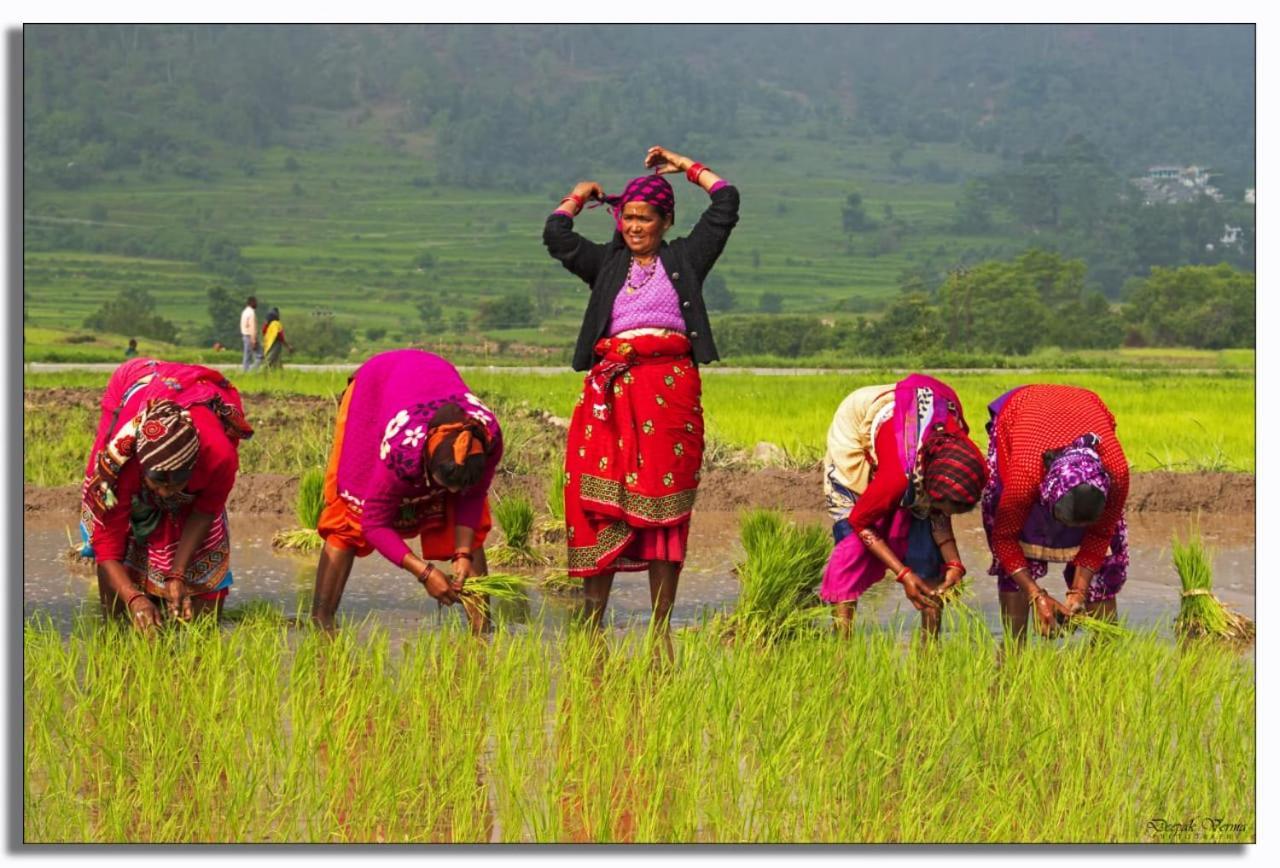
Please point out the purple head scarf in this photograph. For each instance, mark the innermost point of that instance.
(1078, 464)
(653, 189)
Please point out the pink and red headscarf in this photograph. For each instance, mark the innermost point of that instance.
(654, 190)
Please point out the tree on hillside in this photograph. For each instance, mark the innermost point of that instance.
(910, 325)
(224, 317)
(717, 294)
(132, 312)
(513, 310)
(770, 302)
(854, 215)
(1195, 306)
(991, 307)
(429, 311)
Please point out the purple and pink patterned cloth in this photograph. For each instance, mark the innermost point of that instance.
(1044, 539)
(382, 465)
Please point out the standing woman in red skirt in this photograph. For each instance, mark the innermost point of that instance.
(636, 438)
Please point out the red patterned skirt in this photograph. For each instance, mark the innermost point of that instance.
(634, 457)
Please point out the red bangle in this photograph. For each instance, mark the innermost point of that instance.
(422, 579)
(693, 172)
(461, 554)
(577, 200)
(959, 566)
(902, 572)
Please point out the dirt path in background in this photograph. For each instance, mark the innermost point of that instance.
(728, 490)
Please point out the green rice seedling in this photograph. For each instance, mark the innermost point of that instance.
(307, 506)
(551, 530)
(560, 584)
(780, 575)
(515, 515)
(274, 735)
(310, 500)
(1202, 614)
(479, 593)
(555, 494)
(1101, 628)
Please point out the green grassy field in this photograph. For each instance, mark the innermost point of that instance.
(1166, 421)
(277, 735)
(340, 232)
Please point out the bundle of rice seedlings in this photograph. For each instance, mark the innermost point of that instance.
(515, 515)
(498, 586)
(1100, 628)
(551, 529)
(310, 500)
(555, 494)
(1202, 614)
(306, 508)
(561, 585)
(780, 576)
(480, 592)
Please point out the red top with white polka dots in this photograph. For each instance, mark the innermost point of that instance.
(1034, 420)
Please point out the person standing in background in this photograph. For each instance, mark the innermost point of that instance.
(131, 350)
(249, 333)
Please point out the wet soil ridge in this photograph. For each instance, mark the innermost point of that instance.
(729, 489)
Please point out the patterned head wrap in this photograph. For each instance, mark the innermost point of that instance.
(167, 439)
(652, 189)
(953, 469)
(456, 447)
(161, 437)
(1077, 465)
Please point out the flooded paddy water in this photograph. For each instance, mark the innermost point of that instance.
(379, 591)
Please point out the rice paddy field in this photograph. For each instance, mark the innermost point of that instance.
(266, 733)
(763, 728)
(1180, 421)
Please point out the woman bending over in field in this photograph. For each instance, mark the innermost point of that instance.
(1057, 487)
(636, 437)
(414, 453)
(899, 464)
(154, 497)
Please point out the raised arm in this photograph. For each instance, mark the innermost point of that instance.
(706, 241)
(580, 256)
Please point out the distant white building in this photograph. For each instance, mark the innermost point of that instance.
(1250, 197)
(1173, 184)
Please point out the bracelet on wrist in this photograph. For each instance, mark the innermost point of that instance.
(462, 553)
(902, 572)
(425, 574)
(949, 565)
(694, 171)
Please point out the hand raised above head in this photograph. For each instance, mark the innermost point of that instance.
(664, 162)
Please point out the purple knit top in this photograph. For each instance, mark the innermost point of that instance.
(381, 475)
(647, 300)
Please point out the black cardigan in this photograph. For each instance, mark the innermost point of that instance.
(686, 260)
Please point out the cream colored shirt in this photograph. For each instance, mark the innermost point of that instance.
(248, 322)
(851, 453)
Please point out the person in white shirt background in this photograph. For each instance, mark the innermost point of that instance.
(249, 333)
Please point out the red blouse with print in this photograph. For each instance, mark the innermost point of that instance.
(1037, 419)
